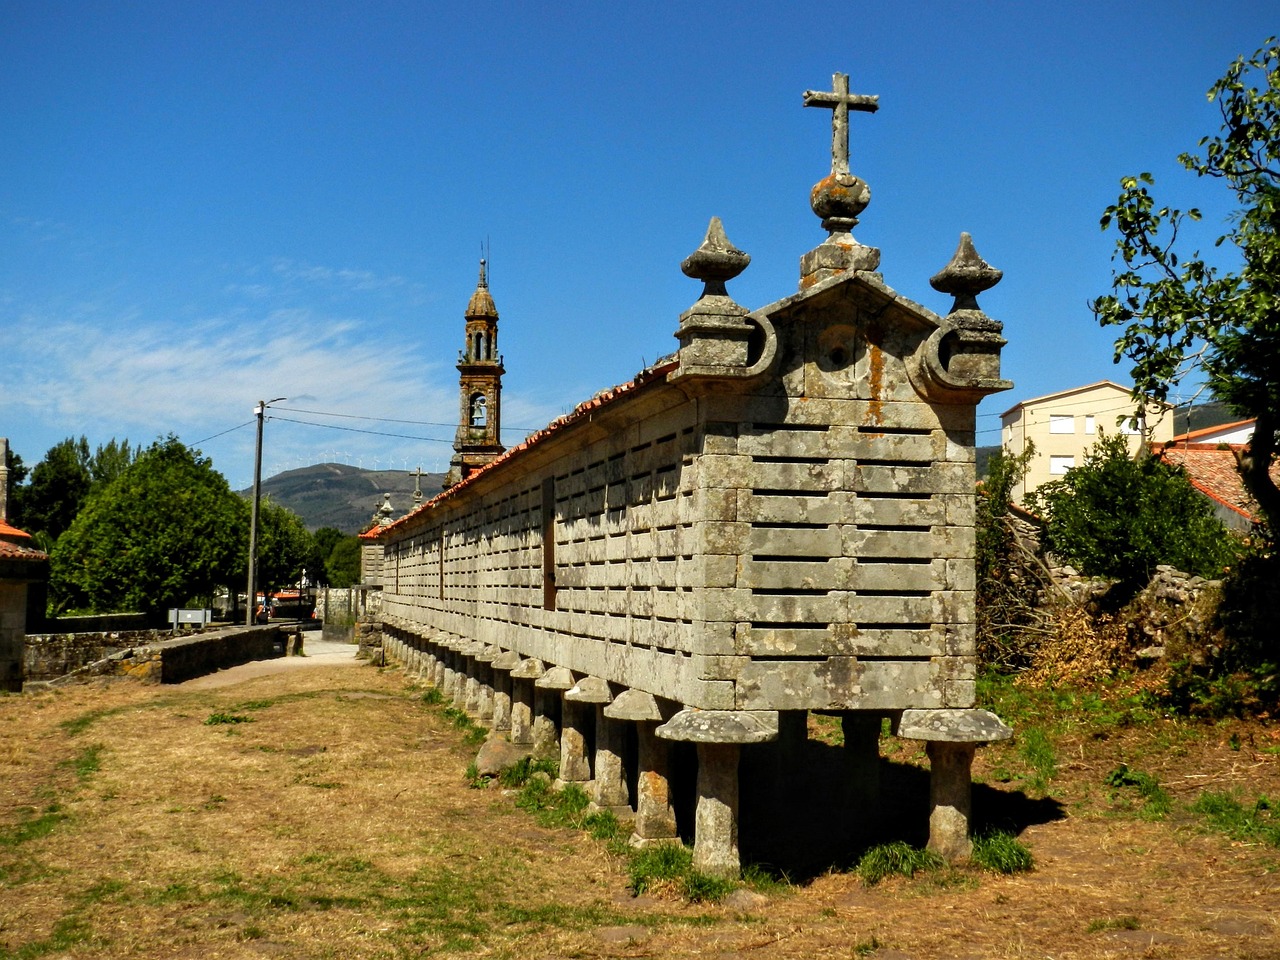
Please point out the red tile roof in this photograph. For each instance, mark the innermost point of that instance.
(1211, 468)
(582, 411)
(15, 544)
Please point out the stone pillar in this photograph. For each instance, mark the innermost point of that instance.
(522, 678)
(471, 699)
(587, 693)
(485, 662)
(546, 698)
(503, 664)
(459, 689)
(655, 818)
(862, 774)
(611, 772)
(952, 736)
(553, 684)
(950, 798)
(575, 766)
(450, 684)
(715, 842)
(719, 735)
(439, 674)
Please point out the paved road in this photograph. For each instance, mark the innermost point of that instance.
(319, 653)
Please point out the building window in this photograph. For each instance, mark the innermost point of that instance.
(1060, 465)
(1088, 425)
(1059, 423)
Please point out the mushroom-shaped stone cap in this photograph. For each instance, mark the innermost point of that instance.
(530, 669)
(721, 726)
(508, 660)
(590, 690)
(716, 261)
(473, 649)
(633, 705)
(557, 678)
(966, 276)
(489, 654)
(952, 726)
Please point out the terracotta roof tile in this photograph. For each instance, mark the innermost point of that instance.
(1211, 468)
(658, 372)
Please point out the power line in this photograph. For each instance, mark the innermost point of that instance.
(238, 426)
(416, 423)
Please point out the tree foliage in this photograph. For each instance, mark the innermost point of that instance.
(165, 532)
(57, 487)
(1119, 518)
(343, 563)
(285, 546)
(1180, 312)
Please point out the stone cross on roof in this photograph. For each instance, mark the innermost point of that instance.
(840, 101)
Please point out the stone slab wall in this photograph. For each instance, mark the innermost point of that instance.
(799, 539)
(152, 655)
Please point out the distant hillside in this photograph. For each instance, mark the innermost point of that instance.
(341, 496)
(1203, 416)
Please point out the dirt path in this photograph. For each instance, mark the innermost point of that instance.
(306, 809)
(316, 653)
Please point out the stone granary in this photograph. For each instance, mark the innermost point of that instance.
(777, 519)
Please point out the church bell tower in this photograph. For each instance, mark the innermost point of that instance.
(479, 388)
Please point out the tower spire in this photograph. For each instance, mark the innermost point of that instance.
(480, 371)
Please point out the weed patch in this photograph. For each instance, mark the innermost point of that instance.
(1001, 852)
(1225, 813)
(1156, 803)
(216, 719)
(895, 859)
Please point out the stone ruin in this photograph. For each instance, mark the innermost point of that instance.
(661, 586)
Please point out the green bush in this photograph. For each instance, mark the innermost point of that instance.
(1118, 517)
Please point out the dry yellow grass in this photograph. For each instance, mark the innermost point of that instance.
(334, 821)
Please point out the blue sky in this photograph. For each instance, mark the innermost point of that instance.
(204, 205)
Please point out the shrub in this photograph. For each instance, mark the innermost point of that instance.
(1118, 517)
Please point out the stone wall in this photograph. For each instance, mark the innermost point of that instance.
(155, 656)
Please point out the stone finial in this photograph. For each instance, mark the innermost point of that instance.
(966, 276)
(839, 197)
(714, 334)
(715, 262)
(383, 514)
(964, 363)
(481, 303)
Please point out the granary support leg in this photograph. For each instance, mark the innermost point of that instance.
(951, 736)
(484, 709)
(655, 817)
(715, 841)
(862, 772)
(950, 798)
(521, 711)
(575, 766)
(503, 685)
(719, 735)
(546, 741)
(611, 774)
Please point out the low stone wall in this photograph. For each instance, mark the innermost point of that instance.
(99, 623)
(51, 655)
(156, 656)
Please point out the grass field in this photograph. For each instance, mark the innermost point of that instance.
(326, 812)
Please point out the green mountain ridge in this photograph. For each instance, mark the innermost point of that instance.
(342, 496)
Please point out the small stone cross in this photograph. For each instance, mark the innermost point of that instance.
(840, 101)
(417, 485)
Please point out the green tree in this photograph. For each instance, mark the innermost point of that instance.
(111, 459)
(343, 564)
(1118, 517)
(1181, 313)
(284, 546)
(56, 489)
(166, 532)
